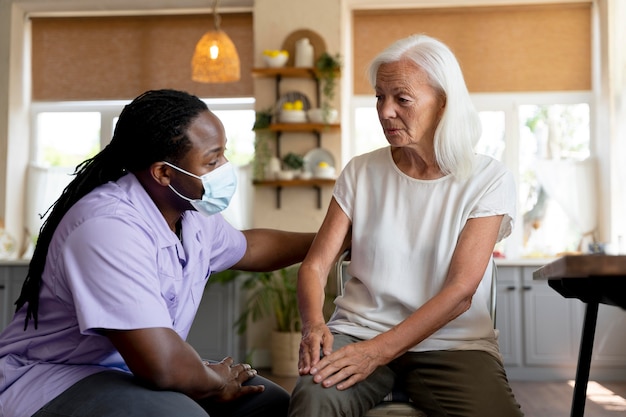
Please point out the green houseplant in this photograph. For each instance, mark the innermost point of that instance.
(272, 294)
(327, 68)
(293, 161)
(262, 137)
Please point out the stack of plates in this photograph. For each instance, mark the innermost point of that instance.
(317, 156)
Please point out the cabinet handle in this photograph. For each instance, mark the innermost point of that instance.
(527, 288)
(510, 288)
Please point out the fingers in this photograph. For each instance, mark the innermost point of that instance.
(251, 389)
(228, 361)
(243, 371)
(315, 341)
(327, 344)
(341, 374)
(307, 353)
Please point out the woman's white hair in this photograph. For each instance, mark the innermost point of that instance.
(459, 128)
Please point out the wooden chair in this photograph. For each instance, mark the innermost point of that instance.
(397, 402)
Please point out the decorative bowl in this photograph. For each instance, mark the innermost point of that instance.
(275, 59)
(305, 175)
(285, 175)
(317, 116)
(292, 116)
(326, 172)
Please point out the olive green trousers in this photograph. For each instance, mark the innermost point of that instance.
(440, 383)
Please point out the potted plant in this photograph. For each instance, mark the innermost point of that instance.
(327, 68)
(293, 162)
(262, 136)
(263, 119)
(272, 294)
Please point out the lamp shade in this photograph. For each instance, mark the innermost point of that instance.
(215, 59)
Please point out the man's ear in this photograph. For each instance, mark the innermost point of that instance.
(160, 172)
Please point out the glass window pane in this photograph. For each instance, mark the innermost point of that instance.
(554, 138)
(491, 142)
(368, 132)
(65, 139)
(238, 126)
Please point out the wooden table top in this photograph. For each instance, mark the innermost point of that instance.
(583, 266)
(590, 278)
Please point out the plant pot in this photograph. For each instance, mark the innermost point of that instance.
(285, 349)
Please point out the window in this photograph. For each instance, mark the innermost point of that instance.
(67, 133)
(544, 139)
(554, 171)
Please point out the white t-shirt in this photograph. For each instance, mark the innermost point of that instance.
(404, 232)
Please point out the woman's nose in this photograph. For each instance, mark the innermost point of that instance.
(386, 109)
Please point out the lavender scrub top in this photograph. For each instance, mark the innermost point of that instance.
(113, 264)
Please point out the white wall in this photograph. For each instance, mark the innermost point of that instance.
(275, 20)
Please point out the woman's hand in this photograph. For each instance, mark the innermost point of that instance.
(315, 338)
(349, 365)
(233, 377)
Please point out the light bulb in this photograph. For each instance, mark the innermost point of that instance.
(214, 51)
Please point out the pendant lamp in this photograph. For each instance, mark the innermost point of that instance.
(215, 59)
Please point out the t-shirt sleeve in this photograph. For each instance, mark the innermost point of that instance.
(228, 244)
(114, 279)
(499, 198)
(344, 189)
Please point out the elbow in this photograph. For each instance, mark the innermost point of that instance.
(159, 378)
(157, 375)
(465, 301)
(465, 305)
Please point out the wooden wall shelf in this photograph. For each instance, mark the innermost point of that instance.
(316, 183)
(286, 72)
(305, 127)
(279, 128)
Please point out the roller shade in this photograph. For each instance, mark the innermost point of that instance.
(501, 49)
(119, 57)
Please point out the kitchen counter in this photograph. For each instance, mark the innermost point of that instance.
(523, 261)
(14, 262)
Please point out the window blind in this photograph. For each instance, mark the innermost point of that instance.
(120, 57)
(500, 49)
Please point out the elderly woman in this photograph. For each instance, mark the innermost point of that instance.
(424, 215)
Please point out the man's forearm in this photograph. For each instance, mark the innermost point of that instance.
(269, 249)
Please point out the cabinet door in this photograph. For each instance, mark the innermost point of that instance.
(11, 280)
(508, 315)
(553, 324)
(213, 334)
